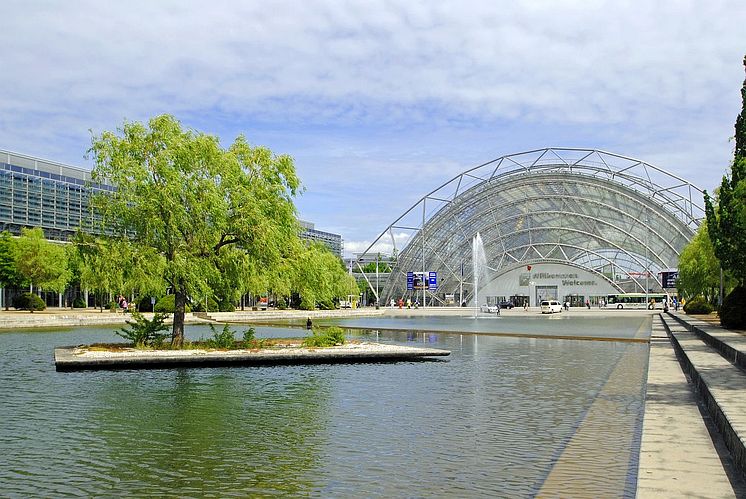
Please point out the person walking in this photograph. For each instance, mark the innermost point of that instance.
(588, 304)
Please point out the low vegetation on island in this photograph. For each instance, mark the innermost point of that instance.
(151, 334)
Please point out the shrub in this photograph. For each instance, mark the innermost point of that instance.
(733, 312)
(306, 304)
(326, 305)
(328, 337)
(79, 303)
(226, 306)
(697, 305)
(167, 305)
(143, 332)
(199, 306)
(221, 339)
(282, 304)
(29, 301)
(144, 305)
(249, 335)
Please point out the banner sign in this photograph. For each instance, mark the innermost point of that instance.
(432, 282)
(422, 280)
(668, 279)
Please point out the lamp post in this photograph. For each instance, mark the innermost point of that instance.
(377, 299)
(461, 285)
(647, 260)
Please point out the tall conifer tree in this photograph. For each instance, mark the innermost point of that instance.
(726, 222)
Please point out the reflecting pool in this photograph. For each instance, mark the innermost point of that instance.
(623, 327)
(503, 416)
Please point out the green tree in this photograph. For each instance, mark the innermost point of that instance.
(370, 267)
(42, 263)
(113, 266)
(181, 194)
(9, 275)
(699, 268)
(726, 222)
(320, 276)
(364, 288)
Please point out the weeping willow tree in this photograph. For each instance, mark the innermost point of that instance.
(319, 276)
(699, 268)
(212, 214)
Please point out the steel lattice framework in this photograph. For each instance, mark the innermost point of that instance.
(581, 207)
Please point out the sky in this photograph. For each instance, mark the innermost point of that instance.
(381, 102)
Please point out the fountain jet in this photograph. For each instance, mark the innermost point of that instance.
(479, 262)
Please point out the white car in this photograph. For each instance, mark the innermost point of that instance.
(550, 306)
(490, 309)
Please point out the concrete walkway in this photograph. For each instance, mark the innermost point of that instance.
(65, 317)
(81, 358)
(677, 456)
(709, 355)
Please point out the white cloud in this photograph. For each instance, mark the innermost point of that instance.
(565, 62)
(384, 245)
(381, 102)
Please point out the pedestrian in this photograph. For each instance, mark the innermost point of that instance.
(567, 305)
(588, 304)
(309, 324)
(525, 305)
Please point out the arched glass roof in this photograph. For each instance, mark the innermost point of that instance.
(603, 212)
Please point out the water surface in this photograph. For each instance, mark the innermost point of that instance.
(495, 419)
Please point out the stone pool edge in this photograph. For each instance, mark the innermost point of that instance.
(75, 358)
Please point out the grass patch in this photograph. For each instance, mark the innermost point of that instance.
(329, 337)
(222, 339)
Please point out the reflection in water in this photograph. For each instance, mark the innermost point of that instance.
(549, 325)
(213, 430)
(500, 417)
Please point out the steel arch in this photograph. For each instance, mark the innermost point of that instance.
(651, 215)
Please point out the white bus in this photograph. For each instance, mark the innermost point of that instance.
(636, 300)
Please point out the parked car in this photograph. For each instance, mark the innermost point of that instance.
(506, 304)
(550, 306)
(489, 309)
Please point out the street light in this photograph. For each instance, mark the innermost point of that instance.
(647, 260)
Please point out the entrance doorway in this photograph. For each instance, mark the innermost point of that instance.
(575, 300)
(545, 293)
(519, 300)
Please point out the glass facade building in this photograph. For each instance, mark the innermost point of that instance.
(332, 241)
(40, 193)
(562, 221)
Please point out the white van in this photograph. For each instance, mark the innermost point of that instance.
(550, 306)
